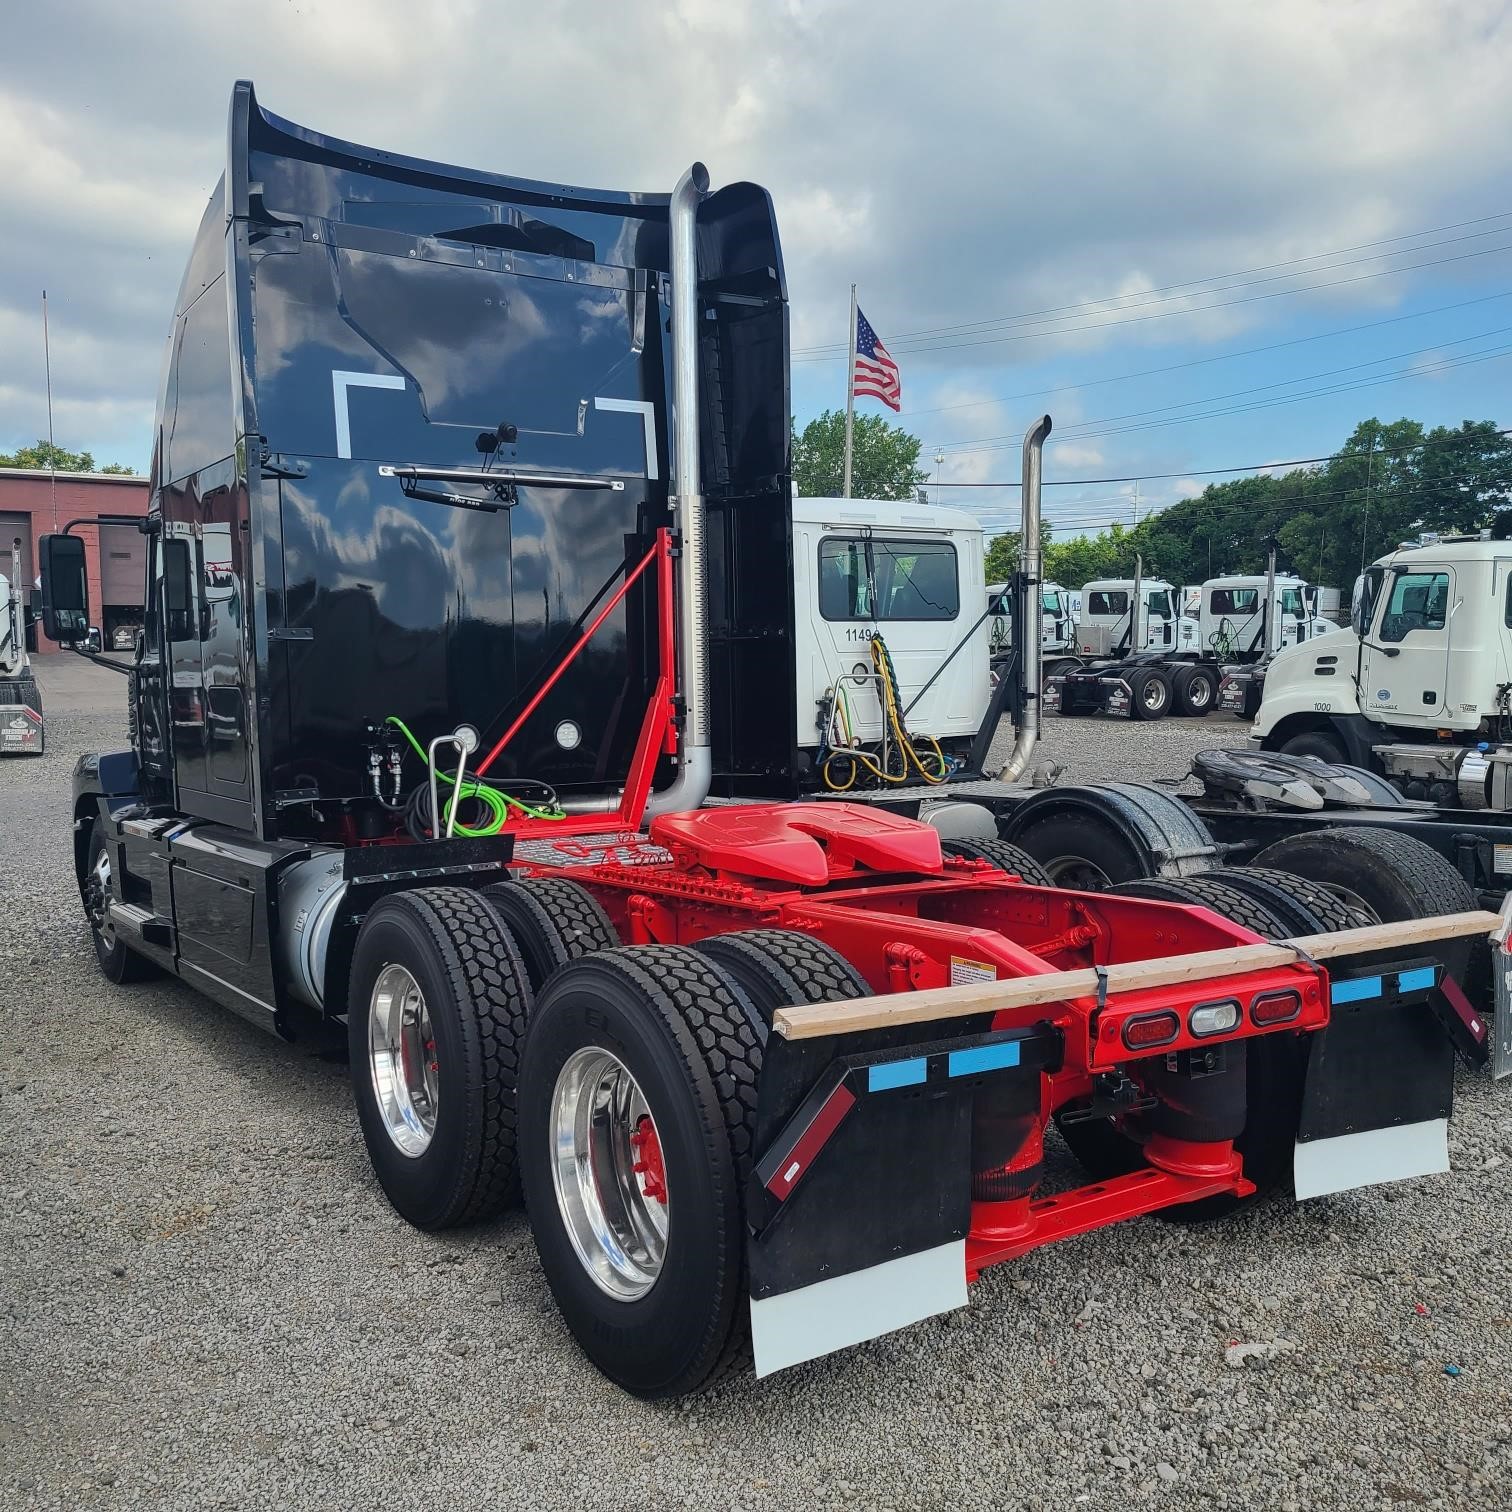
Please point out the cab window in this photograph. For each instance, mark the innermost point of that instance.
(1235, 600)
(1159, 602)
(1108, 602)
(1419, 601)
(1291, 601)
(874, 579)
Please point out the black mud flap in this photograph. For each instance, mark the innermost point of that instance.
(1379, 1083)
(860, 1202)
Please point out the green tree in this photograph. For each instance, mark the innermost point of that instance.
(47, 457)
(884, 458)
(1002, 557)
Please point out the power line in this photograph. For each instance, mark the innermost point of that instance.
(1088, 304)
(1081, 427)
(1213, 472)
(1189, 309)
(1274, 346)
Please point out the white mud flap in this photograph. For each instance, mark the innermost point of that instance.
(1325, 1166)
(833, 1314)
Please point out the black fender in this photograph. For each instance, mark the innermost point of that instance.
(102, 783)
(1172, 839)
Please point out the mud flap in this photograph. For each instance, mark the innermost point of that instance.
(20, 730)
(1379, 1084)
(860, 1202)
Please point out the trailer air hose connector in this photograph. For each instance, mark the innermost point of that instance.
(492, 809)
(901, 758)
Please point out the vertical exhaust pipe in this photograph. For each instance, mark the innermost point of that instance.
(1030, 568)
(695, 766)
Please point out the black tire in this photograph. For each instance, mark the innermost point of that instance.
(475, 989)
(1396, 878)
(1317, 743)
(553, 921)
(1195, 691)
(119, 963)
(1082, 851)
(1227, 902)
(669, 1017)
(775, 968)
(1004, 856)
(1149, 693)
(1302, 905)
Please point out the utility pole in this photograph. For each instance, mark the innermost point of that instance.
(52, 456)
(1365, 522)
(850, 392)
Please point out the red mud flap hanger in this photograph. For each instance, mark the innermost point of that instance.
(860, 1204)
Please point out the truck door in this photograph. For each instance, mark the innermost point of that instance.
(1405, 672)
(1160, 616)
(908, 590)
(184, 673)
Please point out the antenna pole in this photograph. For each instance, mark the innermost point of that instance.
(52, 455)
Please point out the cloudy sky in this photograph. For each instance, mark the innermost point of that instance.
(1199, 235)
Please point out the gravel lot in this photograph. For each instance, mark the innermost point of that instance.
(208, 1303)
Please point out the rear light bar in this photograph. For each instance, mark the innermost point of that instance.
(1216, 1018)
(1150, 1030)
(1272, 1008)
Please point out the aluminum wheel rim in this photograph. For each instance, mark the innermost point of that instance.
(402, 1059)
(1363, 912)
(1154, 696)
(1077, 874)
(99, 899)
(600, 1127)
(1199, 693)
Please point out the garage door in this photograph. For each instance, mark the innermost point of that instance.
(123, 566)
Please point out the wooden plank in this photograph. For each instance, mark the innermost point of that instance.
(809, 1021)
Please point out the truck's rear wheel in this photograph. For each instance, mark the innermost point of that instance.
(1382, 876)
(1149, 694)
(553, 921)
(637, 1126)
(1195, 690)
(776, 968)
(1004, 856)
(436, 1012)
(119, 963)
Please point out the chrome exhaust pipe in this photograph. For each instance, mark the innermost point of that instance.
(1030, 567)
(695, 767)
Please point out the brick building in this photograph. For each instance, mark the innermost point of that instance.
(34, 503)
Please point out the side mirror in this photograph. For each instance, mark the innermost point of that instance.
(65, 588)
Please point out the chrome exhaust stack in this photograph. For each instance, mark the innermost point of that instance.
(695, 759)
(1030, 567)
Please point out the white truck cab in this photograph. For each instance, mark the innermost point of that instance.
(1103, 627)
(1232, 619)
(912, 574)
(1420, 686)
(1057, 620)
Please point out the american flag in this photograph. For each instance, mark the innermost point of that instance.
(873, 372)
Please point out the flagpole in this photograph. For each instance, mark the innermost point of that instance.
(850, 393)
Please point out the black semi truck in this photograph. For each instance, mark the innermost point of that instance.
(469, 597)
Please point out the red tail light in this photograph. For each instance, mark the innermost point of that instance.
(1275, 1008)
(1151, 1029)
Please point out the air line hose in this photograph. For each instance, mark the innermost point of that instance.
(851, 759)
(496, 804)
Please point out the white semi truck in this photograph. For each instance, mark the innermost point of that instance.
(1419, 688)
(21, 729)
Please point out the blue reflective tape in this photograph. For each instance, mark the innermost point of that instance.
(1415, 981)
(907, 1073)
(984, 1058)
(1355, 990)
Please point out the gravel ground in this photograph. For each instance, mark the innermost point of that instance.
(207, 1302)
